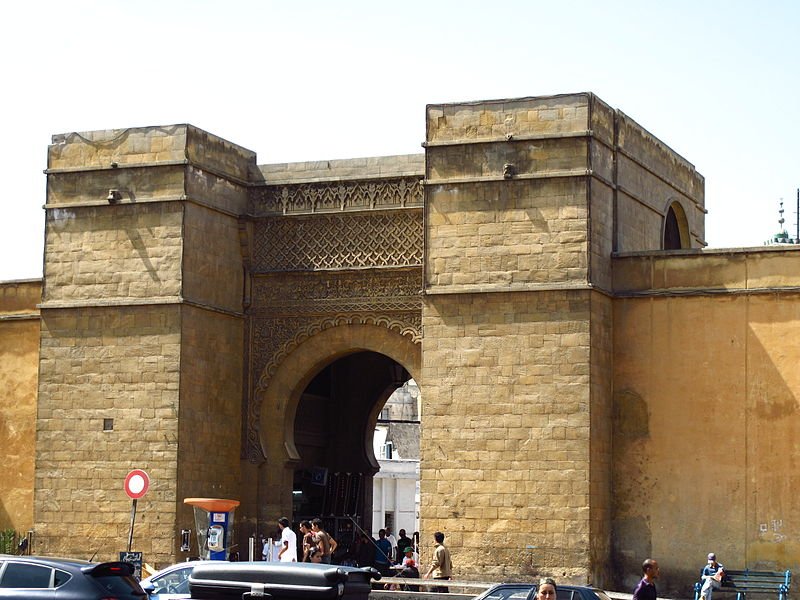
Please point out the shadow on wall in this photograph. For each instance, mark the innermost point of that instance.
(704, 438)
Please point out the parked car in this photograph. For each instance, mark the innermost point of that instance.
(527, 591)
(172, 580)
(40, 578)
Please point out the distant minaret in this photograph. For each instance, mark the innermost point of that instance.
(782, 237)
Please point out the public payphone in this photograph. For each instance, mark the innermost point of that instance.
(213, 520)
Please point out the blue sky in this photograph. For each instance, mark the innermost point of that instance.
(302, 80)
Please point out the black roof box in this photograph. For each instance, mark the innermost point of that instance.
(281, 581)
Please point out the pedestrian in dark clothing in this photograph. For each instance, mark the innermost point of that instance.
(383, 552)
(646, 589)
(365, 551)
(403, 542)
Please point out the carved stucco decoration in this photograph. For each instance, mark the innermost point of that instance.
(337, 196)
(385, 290)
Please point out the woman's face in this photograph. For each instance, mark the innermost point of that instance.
(546, 592)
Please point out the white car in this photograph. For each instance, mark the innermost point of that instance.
(173, 581)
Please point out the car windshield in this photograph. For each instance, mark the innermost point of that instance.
(174, 582)
(511, 592)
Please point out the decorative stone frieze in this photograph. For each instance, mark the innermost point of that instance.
(337, 196)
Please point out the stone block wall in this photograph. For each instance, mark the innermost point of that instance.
(601, 507)
(19, 357)
(506, 194)
(98, 364)
(210, 412)
(212, 260)
(113, 254)
(506, 428)
(506, 235)
(601, 192)
(650, 176)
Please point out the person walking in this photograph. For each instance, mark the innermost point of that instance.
(288, 551)
(442, 565)
(394, 556)
(646, 588)
(324, 541)
(310, 550)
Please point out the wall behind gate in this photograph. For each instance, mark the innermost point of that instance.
(19, 356)
(707, 414)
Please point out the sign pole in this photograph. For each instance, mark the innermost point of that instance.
(136, 485)
(133, 520)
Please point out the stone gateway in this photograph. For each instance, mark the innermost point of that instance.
(596, 387)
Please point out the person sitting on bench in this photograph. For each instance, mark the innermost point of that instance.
(712, 575)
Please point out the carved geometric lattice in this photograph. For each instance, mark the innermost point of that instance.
(337, 196)
(338, 241)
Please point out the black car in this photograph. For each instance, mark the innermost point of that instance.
(527, 591)
(40, 578)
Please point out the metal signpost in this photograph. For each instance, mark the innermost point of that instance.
(136, 485)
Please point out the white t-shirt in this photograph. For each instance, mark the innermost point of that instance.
(287, 535)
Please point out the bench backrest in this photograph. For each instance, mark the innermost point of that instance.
(758, 580)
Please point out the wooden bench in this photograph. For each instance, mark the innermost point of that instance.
(753, 582)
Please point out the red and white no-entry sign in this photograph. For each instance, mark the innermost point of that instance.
(137, 483)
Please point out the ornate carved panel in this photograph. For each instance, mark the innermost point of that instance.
(384, 290)
(337, 196)
(289, 308)
(338, 241)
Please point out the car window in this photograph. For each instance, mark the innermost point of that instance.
(174, 582)
(509, 593)
(61, 577)
(567, 595)
(119, 585)
(26, 575)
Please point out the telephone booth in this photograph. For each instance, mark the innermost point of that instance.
(213, 521)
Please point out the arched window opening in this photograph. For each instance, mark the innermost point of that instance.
(676, 230)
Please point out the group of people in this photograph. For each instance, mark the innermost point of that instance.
(318, 545)
(399, 558)
(392, 557)
(712, 575)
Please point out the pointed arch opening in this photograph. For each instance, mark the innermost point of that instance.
(676, 228)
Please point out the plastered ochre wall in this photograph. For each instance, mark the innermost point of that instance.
(19, 355)
(706, 414)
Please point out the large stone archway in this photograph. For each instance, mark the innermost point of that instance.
(281, 395)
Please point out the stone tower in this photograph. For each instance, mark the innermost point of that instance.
(141, 333)
(525, 202)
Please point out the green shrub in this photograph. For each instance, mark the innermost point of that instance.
(8, 541)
